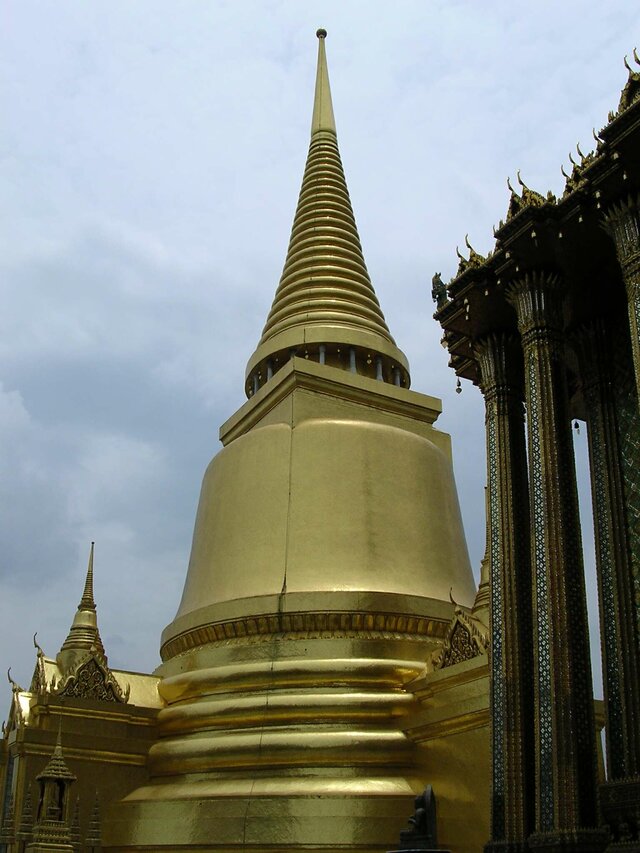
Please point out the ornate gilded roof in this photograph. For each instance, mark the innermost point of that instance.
(83, 634)
(529, 198)
(563, 234)
(467, 637)
(475, 259)
(631, 91)
(82, 662)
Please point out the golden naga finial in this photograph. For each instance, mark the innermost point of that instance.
(452, 600)
(563, 172)
(464, 263)
(627, 66)
(596, 137)
(579, 151)
(635, 56)
(475, 258)
(572, 160)
(15, 687)
(515, 202)
(529, 196)
(35, 644)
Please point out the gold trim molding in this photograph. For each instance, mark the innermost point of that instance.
(327, 624)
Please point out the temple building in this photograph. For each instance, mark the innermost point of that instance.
(548, 327)
(74, 741)
(329, 658)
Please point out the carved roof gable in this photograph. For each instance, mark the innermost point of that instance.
(465, 640)
(92, 679)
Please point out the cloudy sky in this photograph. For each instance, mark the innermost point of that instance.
(150, 162)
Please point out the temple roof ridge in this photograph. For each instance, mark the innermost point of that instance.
(631, 91)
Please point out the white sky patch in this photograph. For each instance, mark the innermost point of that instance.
(112, 474)
(13, 415)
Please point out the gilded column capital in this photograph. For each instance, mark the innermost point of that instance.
(622, 223)
(537, 299)
(499, 357)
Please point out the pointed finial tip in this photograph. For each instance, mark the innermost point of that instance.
(322, 34)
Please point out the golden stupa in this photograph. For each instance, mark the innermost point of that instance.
(327, 544)
(328, 657)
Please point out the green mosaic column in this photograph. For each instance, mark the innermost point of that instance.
(620, 798)
(622, 221)
(618, 623)
(628, 415)
(512, 796)
(566, 793)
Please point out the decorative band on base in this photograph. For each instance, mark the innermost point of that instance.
(365, 624)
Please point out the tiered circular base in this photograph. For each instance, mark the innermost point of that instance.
(280, 744)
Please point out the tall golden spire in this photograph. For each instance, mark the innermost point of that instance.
(325, 307)
(83, 635)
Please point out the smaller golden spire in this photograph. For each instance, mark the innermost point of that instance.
(56, 767)
(83, 635)
(94, 833)
(322, 106)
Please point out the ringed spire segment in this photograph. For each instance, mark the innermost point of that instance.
(87, 602)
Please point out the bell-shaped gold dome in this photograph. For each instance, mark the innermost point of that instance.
(328, 505)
